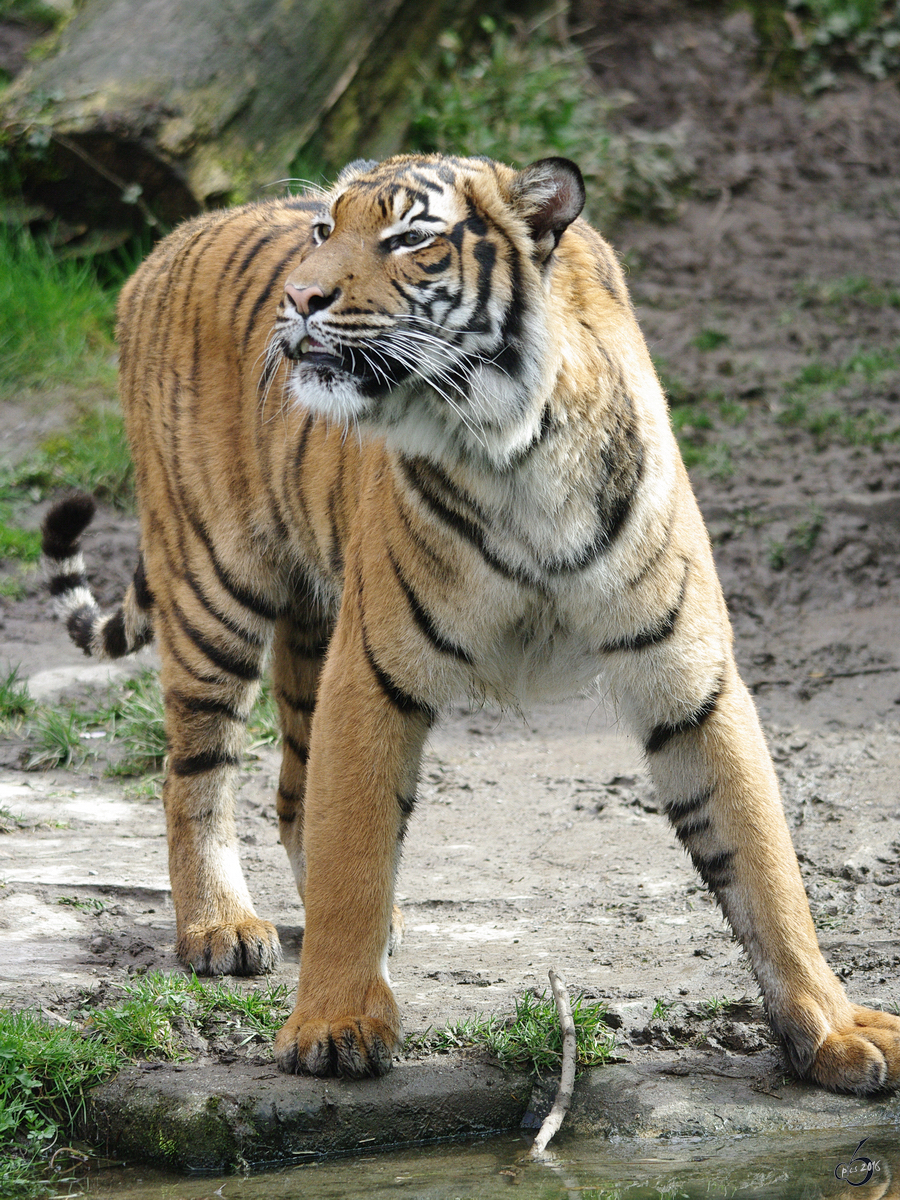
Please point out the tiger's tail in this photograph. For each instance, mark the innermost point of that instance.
(101, 635)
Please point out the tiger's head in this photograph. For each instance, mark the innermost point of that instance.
(418, 307)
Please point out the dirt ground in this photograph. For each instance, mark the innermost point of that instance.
(538, 842)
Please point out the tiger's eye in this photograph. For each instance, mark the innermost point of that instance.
(413, 237)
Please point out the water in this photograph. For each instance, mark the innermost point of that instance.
(791, 1167)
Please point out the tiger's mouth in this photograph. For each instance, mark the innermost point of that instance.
(325, 361)
(329, 364)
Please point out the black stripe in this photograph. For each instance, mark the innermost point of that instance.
(691, 829)
(653, 635)
(424, 621)
(298, 704)
(446, 571)
(199, 764)
(80, 625)
(187, 667)
(266, 293)
(404, 703)
(247, 599)
(614, 500)
(202, 704)
(142, 592)
(715, 869)
(663, 733)
(251, 639)
(291, 799)
(241, 668)
(406, 804)
(299, 751)
(114, 641)
(335, 554)
(547, 426)
(60, 584)
(293, 484)
(679, 809)
(462, 525)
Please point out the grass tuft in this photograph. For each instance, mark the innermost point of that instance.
(157, 1008)
(45, 1071)
(15, 699)
(531, 1039)
(136, 719)
(58, 737)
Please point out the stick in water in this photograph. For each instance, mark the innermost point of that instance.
(555, 1116)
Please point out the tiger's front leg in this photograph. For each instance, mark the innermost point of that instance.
(367, 738)
(711, 767)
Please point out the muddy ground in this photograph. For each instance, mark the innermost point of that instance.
(538, 841)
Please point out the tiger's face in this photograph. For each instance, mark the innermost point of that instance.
(416, 309)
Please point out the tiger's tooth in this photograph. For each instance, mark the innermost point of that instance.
(304, 345)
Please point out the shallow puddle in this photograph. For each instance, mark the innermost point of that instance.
(795, 1167)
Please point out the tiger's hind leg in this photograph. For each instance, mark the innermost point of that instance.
(211, 665)
(301, 642)
(713, 772)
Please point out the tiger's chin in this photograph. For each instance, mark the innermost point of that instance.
(327, 389)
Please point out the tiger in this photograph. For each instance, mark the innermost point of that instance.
(403, 437)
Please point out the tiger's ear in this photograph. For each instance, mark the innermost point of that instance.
(359, 166)
(549, 195)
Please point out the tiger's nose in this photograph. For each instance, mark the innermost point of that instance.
(306, 300)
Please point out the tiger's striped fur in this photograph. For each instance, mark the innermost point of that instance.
(407, 434)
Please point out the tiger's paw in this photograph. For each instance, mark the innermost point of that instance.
(248, 947)
(862, 1057)
(352, 1046)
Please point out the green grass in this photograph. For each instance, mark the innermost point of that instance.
(56, 331)
(93, 904)
(156, 1008)
(31, 12)
(20, 545)
(91, 456)
(56, 735)
(716, 1006)
(15, 700)
(864, 372)
(135, 718)
(531, 1039)
(522, 95)
(800, 541)
(694, 423)
(807, 42)
(130, 718)
(710, 339)
(10, 821)
(45, 1071)
(56, 321)
(858, 289)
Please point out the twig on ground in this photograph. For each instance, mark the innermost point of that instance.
(554, 1118)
